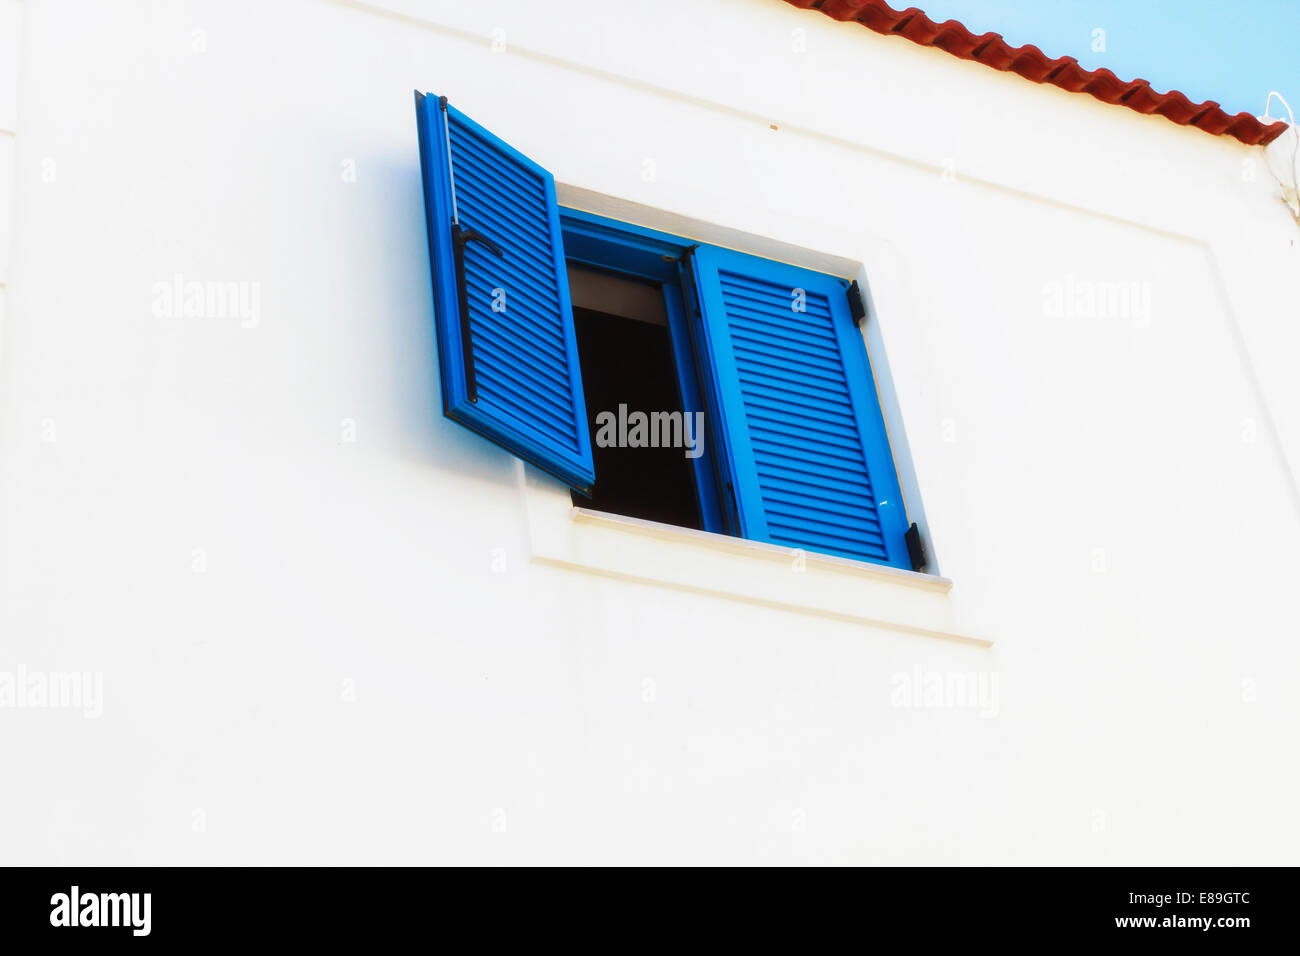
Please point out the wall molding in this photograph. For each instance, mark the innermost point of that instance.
(750, 572)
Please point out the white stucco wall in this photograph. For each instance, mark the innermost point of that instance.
(316, 649)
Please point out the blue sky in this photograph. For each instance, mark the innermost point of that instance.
(1230, 51)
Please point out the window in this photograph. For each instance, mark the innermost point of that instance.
(659, 378)
(643, 440)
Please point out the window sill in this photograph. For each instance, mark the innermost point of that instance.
(752, 572)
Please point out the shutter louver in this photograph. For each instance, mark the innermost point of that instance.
(507, 349)
(806, 444)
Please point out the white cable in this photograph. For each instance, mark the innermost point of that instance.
(1266, 119)
(1268, 105)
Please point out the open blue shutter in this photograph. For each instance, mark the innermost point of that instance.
(507, 351)
(803, 438)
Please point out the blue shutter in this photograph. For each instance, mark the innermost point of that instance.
(507, 351)
(804, 442)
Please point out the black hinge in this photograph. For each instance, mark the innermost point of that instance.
(916, 548)
(856, 306)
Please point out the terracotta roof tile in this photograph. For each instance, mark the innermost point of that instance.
(1031, 63)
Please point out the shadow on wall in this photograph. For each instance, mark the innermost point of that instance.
(410, 364)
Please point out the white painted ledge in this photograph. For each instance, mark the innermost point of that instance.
(752, 572)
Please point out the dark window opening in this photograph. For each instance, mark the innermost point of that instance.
(628, 371)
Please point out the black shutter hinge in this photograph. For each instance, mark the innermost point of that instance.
(916, 548)
(856, 306)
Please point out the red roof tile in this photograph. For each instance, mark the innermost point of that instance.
(1031, 63)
